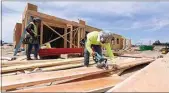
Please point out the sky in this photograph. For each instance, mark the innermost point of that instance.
(142, 22)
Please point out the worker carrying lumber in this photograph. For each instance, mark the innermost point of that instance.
(96, 40)
(32, 38)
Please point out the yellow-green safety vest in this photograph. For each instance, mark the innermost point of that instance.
(35, 29)
(92, 39)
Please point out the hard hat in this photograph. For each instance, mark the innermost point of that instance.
(36, 20)
(106, 37)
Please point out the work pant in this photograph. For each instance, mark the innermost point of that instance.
(96, 48)
(29, 50)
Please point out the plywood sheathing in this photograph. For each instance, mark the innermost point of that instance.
(94, 85)
(21, 80)
(26, 79)
(153, 78)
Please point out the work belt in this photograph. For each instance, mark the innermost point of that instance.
(31, 40)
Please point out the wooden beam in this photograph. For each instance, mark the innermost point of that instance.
(41, 34)
(78, 37)
(93, 85)
(56, 19)
(55, 24)
(71, 35)
(65, 37)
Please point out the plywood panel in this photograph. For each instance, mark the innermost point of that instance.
(33, 79)
(153, 78)
(9, 82)
(93, 85)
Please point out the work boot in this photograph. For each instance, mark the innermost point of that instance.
(36, 58)
(29, 59)
(86, 65)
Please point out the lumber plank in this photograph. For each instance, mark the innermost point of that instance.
(133, 63)
(21, 80)
(41, 33)
(153, 78)
(53, 18)
(36, 65)
(17, 62)
(33, 78)
(65, 37)
(63, 67)
(71, 28)
(94, 85)
(134, 56)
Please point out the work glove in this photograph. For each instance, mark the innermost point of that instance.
(114, 64)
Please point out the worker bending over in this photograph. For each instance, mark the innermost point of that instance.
(96, 40)
(32, 38)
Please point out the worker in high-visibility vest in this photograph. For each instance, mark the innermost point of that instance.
(32, 37)
(96, 40)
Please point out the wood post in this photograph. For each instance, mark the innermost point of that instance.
(26, 21)
(65, 37)
(78, 37)
(71, 27)
(41, 34)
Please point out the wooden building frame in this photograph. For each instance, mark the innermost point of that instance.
(73, 31)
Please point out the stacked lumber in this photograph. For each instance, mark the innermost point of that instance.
(23, 80)
(45, 65)
(153, 78)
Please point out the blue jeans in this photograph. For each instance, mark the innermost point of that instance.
(97, 48)
(29, 50)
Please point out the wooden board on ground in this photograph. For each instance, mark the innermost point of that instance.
(9, 63)
(15, 81)
(134, 56)
(36, 65)
(63, 67)
(93, 85)
(9, 82)
(133, 63)
(153, 78)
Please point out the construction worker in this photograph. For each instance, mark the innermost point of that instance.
(32, 37)
(96, 40)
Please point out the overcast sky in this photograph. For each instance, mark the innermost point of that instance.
(139, 21)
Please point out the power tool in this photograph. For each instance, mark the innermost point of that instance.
(101, 61)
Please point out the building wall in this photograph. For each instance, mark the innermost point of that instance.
(117, 43)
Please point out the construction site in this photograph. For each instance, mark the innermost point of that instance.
(60, 65)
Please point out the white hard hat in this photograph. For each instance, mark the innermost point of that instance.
(106, 37)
